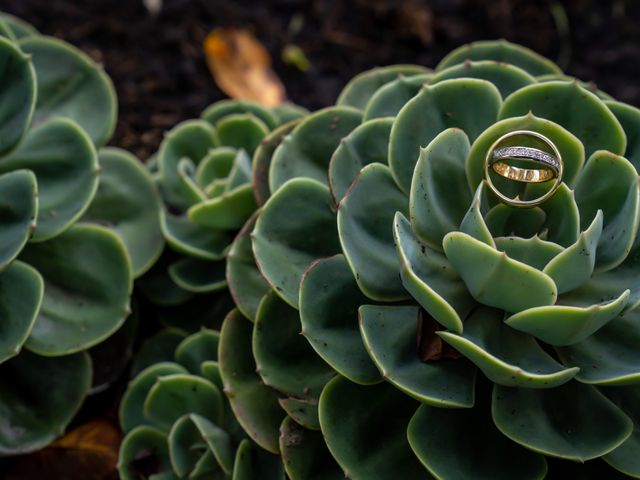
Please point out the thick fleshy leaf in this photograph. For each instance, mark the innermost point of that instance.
(440, 194)
(389, 333)
(565, 325)
(305, 455)
(368, 143)
(569, 146)
(65, 164)
(506, 356)
(18, 211)
(610, 356)
(454, 443)
(507, 77)
(562, 220)
(19, 28)
(609, 183)
(304, 412)
(198, 276)
(533, 251)
(159, 347)
(365, 430)
(219, 110)
(473, 222)
(329, 302)
(143, 447)
(262, 160)
(629, 118)
(246, 284)
(359, 90)
(506, 221)
(285, 360)
(18, 95)
(228, 211)
(38, 398)
(172, 396)
(254, 404)
(573, 107)
(215, 165)
(87, 283)
(297, 225)
(252, 462)
(433, 110)
(71, 85)
(191, 191)
(131, 409)
(288, 112)
(625, 457)
(196, 349)
(496, 280)
(21, 290)
(240, 130)
(430, 278)
(367, 240)
(573, 267)
(573, 421)
(503, 52)
(389, 99)
(307, 150)
(189, 238)
(127, 202)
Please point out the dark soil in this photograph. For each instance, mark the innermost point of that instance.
(157, 64)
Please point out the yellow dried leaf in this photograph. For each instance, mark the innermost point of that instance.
(241, 67)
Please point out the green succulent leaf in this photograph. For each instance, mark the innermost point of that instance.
(305, 455)
(454, 443)
(84, 302)
(71, 85)
(506, 356)
(246, 284)
(172, 396)
(303, 411)
(489, 273)
(228, 211)
(191, 191)
(252, 462)
(625, 457)
(440, 195)
(367, 143)
(215, 165)
(389, 333)
(473, 222)
(532, 251)
(329, 302)
(65, 164)
(430, 278)
(196, 349)
(433, 110)
(159, 347)
(38, 398)
(18, 211)
(389, 99)
(198, 276)
(288, 112)
(297, 225)
(503, 52)
(21, 290)
(506, 77)
(240, 130)
(254, 404)
(127, 202)
(189, 238)
(562, 220)
(573, 107)
(573, 421)
(378, 451)
(145, 444)
(360, 89)
(285, 360)
(610, 183)
(18, 27)
(18, 95)
(224, 108)
(307, 150)
(131, 409)
(506, 221)
(629, 118)
(367, 240)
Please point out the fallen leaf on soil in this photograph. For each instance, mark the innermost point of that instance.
(241, 67)
(89, 451)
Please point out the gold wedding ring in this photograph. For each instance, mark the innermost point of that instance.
(524, 164)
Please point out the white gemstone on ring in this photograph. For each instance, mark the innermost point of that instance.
(528, 153)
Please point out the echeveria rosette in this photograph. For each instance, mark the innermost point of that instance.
(445, 334)
(177, 420)
(64, 286)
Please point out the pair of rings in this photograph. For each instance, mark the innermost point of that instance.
(524, 164)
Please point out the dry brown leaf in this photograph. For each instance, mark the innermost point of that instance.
(87, 452)
(430, 346)
(241, 67)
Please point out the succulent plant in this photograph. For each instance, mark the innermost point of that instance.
(65, 280)
(444, 334)
(177, 421)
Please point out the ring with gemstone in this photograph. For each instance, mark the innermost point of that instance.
(510, 159)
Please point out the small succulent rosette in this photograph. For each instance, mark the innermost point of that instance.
(66, 232)
(444, 334)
